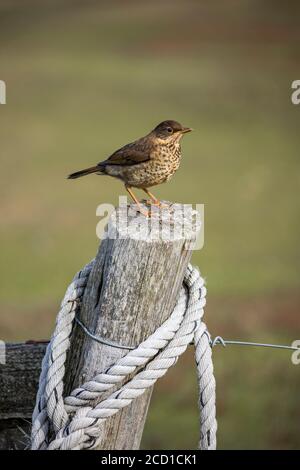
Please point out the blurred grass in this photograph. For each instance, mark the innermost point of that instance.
(250, 415)
(83, 80)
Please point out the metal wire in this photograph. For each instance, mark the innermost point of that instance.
(102, 340)
(219, 340)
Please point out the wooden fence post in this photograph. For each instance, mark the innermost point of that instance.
(19, 378)
(132, 289)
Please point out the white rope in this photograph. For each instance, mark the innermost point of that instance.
(75, 422)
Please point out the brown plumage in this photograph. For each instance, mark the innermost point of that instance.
(146, 162)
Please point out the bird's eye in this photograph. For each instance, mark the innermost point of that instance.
(170, 130)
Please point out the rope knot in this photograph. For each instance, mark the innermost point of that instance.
(75, 422)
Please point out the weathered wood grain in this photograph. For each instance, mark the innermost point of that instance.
(19, 378)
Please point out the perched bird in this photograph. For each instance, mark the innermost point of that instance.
(146, 162)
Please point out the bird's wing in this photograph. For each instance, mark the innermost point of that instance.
(131, 154)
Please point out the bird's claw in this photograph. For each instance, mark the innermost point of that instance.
(149, 202)
(145, 213)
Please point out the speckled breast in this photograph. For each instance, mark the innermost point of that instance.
(155, 171)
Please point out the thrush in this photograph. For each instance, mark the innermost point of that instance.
(146, 162)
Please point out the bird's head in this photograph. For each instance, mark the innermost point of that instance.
(170, 131)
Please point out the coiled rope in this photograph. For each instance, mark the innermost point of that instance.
(75, 422)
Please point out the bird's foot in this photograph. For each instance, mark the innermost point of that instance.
(145, 212)
(156, 203)
(163, 205)
(141, 210)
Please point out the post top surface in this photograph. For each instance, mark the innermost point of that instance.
(169, 223)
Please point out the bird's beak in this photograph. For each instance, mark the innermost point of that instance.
(186, 129)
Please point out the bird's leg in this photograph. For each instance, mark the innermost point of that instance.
(153, 199)
(141, 210)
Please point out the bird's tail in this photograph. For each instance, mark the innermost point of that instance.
(86, 171)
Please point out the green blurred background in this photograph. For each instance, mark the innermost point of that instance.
(83, 78)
